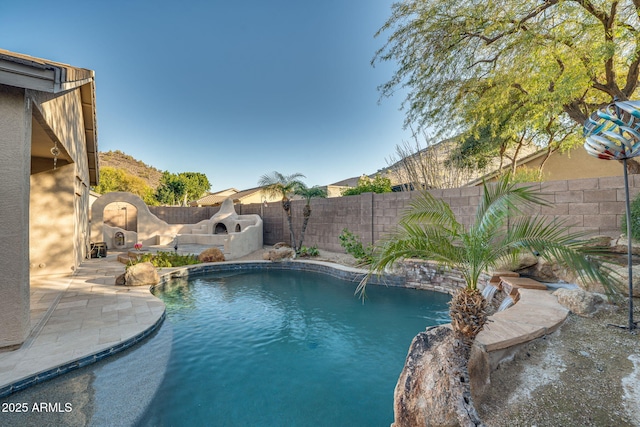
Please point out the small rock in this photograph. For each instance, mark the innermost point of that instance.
(120, 281)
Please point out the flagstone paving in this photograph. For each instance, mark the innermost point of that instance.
(77, 320)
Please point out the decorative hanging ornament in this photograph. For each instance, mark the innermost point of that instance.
(56, 152)
(613, 132)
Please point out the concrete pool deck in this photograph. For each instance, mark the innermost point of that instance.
(84, 318)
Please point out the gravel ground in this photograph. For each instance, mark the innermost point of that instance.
(585, 374)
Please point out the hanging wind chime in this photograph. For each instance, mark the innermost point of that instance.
(56, 152)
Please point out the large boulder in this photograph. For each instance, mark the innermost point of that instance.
(433, 388)
(621, 274)
(522, 261)
(479, 368)
(279, 254)
(579, 301)
(621, 245)
(140, 274)
(548, 271)
(211, 255)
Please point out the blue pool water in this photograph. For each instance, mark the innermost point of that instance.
(286, 348)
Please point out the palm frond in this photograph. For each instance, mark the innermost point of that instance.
(427, 210)
(552, 241)
(276, 184)
(503, 199)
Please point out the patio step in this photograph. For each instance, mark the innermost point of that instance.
(521, 282)
(495, 278)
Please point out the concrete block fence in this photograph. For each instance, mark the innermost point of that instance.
(183, 215)
(593, 205)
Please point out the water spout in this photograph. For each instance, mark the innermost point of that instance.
(506, 303)
(488, 292)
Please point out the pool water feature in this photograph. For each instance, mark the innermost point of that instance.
(286, 348)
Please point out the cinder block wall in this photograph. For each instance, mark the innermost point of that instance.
(593, 205)
(183, 215)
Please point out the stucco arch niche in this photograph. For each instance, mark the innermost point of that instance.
(243, 232)
(149, 226)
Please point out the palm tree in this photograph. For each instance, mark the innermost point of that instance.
(501, 231)
(278, 185)
(308, 194)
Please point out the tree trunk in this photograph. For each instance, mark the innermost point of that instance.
(286, 205)
(306, 214)
(633, 167)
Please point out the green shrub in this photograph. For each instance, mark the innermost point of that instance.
(635, 220)
(166, 259)
(353, 246)
(309, 252)
(367, 185)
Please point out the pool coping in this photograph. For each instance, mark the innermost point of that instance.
(351, 274)
(84, 277)
(81, 362)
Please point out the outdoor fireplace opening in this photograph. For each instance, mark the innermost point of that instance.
(220, 228)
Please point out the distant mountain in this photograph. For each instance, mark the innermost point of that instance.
(119, 160)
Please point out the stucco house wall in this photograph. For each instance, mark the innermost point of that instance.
(569, 165)
(574, 164)
(15, 126)
(45, 223)
(59, 242)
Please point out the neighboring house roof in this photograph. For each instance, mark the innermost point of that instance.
(219, 197)
(215, 198)
(38, 74)
(239, 196)
(349, 182)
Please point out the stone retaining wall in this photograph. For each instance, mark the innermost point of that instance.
(432, 276)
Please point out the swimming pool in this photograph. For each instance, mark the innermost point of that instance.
(285, 348)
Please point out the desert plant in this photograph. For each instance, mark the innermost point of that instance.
(211, 255)
(354, 247)
(309, 252)
(165, 259)
(635, 220)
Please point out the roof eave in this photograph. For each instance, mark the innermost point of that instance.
(28, 72)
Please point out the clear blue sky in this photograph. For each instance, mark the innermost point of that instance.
(232, 89)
